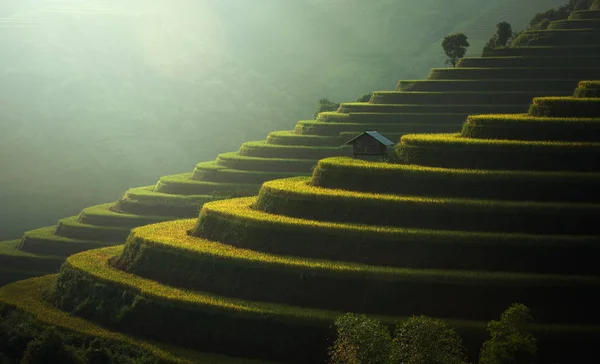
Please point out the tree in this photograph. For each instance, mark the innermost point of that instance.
(455, 46)
(424, 340)
(324, 104)
(509, 341)
(360, 340)
(503, 33)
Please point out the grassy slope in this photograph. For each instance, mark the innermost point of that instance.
(29, 296)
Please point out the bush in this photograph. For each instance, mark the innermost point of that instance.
(47, 348)
(510, 342)
(595, 5)
(423, 340)
(364, 98)
(324, 104)
(419, 340)
(360, 340)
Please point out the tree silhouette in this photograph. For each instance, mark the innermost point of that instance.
(455, 46)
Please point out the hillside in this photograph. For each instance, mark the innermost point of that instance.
(101, 96)
(457, 226)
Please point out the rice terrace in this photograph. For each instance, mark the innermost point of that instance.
(453, 219)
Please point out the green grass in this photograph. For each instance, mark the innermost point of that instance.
(525, 127)
(565, 107)
(575, 24)
(294, 197)
(29, 296)
(183, 184)
(358, 175)
(558, 62)
(166, 253)
(454, 151)
(206, 171)
(235, 223)
(585, 14)
(144, 201)
(289, 137)
(458, 98)
(484, 85)
(558, 37)
(431, 109)
(70, 227)
(102, 215)
(514, 73)
(545, 51)
(262, 149)
(235, 161)
(44, 241)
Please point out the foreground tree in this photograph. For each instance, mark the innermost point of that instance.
(423, 340)
(509, 341)
(360, 340)
(455, 46)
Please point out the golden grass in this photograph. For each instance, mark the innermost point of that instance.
(499, 119)
(456, 140)
(589, 84)
(378, 167)
(299, 187)
(172, 235)
(240, 209)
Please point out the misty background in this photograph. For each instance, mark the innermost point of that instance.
(100, 96)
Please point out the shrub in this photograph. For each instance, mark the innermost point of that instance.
(455, 46)
(423, 340)
(595, 5)
(364, 98)
(47, 348)
(510, 342)
(360, 340)
(16, 332)
(324, 104)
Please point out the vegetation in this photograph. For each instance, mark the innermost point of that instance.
(510, 341)
(360, 340)
(455, 46)
(493, 215)
(324, 104)
(542, 20)
(423, 340)
(23, 339)
(504, 34)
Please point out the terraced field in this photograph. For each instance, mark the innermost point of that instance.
(504, 81)
(465, 225)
